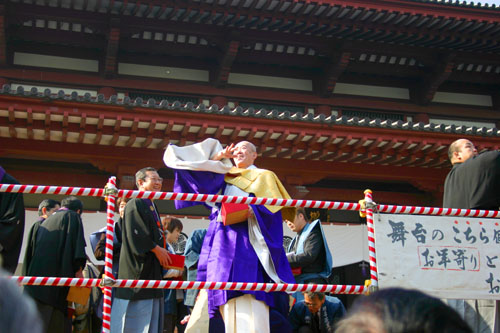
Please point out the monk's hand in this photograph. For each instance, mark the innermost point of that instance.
(227, 152)
(162, 255)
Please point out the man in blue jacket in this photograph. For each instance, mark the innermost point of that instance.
(317, 313)
(308, 253)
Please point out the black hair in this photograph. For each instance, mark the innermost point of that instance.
(172, 223)
(72, 203)
(397, 310)
(302, 210)
(315, 294)
(47, 204)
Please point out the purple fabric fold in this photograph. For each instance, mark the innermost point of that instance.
(200, 182)
(227, 255)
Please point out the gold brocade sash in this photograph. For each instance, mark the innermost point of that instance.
(264, 184)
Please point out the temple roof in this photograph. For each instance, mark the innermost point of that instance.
(420, 45)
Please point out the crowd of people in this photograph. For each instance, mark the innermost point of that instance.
(247, 250)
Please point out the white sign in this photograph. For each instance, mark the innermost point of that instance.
(447, 257)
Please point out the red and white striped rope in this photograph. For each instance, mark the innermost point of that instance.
(371, 239)
(168, 284)
(179, 196)
(436, 211)
(42, 189)
(55, 281)
(108, 260)
(237, 199)
(248, 200)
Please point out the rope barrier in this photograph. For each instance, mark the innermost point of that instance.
(62, 190)
(437, 211)
(97, 192)
(169, 284)
(111, 192)
(40, 189)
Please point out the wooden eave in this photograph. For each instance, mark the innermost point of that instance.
(283, 135)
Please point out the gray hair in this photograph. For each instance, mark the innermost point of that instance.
(141, 174)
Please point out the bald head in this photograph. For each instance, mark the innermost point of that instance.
(461, 150)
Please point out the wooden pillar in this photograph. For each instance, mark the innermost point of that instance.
(324, 109)
(3, 81)
(126, 176)
(107, 92)
(421, 118)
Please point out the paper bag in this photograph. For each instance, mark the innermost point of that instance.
(78, 295)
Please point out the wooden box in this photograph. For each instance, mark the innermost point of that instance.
(234, 213)
(177, 262)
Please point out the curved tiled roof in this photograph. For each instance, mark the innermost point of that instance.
(472, 4)
(250, 112)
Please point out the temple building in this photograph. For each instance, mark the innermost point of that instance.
(338, 95)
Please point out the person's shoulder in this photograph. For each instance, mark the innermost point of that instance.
(487, 158)
(135, 202)
(333, 299)
(8, 179)
(335, 304)
(491, 154)
(61, 217)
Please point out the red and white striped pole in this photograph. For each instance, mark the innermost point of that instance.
(111, 192)
(371, 239)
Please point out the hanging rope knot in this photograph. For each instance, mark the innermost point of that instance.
(362, 208)
(370, 288)
(107, 281)
(364, 205)
(110, 189)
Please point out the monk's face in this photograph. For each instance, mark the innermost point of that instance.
(244, 155)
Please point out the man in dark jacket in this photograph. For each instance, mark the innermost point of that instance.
(308, 253)
(57, 249)
(142, 255)
(317, 313)
(473, 183)
(11, 224)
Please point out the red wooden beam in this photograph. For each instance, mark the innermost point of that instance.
(3, 44)
(441, 72)
(221, 73)
(110, 59)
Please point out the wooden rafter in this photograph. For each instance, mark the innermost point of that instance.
(333, 71)
(221, 73)
(440, 73)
